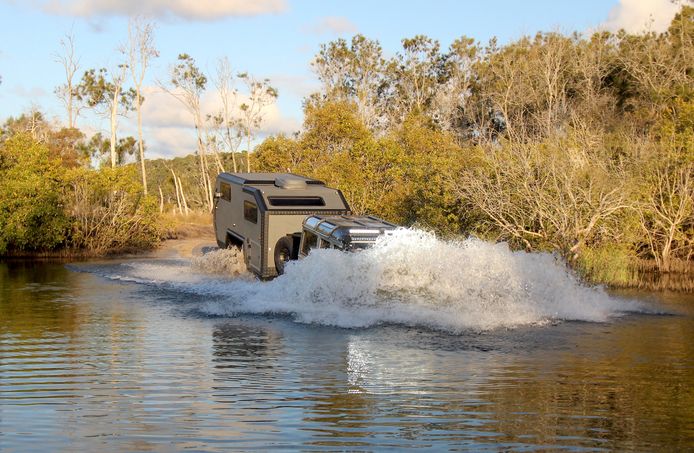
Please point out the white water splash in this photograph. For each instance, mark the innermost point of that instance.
(409, 278)
(221, 261)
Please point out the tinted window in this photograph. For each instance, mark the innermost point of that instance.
(250, 211)
(310, 242)
(296, 201)
(225, 189)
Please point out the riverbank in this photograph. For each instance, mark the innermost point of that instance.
(187, 237)
(186, 246)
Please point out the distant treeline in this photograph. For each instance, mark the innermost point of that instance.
(582, 145)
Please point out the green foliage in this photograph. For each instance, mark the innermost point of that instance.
(97, 91)
(185, 74)
(109, 212)
(608, 264)
(31, 213)
(404, 176)
(47, 203)
(99, 148)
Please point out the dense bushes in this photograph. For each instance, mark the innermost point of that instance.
(109, 212)
(44, 205)
(32, 216)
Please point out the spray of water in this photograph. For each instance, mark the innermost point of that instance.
(227, 262)
(409, 278)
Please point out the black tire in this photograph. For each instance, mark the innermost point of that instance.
(283, 253)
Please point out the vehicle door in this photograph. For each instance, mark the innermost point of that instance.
(222, 214)
(253, 245)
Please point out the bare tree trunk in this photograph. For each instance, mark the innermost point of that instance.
(139, 141)
(248, 151)
(114, 125)
(217, 159)
(203, 161)
(140, 50)
(115, 102)
(70, 64)
(161, 201)
(178, 198)
(183, 197)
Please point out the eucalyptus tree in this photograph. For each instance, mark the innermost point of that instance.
(187, 84)
(140, 51)
(453, 105)
(228, 127)
(67, 91)
(354, 72)
(260, 95)
(104, 92)
(415, 74)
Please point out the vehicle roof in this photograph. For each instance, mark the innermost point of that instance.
(250, 179)
(271, 188)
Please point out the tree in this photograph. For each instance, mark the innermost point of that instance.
(187, 85)
(547, 197)
(31, 214)
(99, 146)
(414, 74)
(140, 51)
(260, 95)
(353, 73)
(666, 211)
(453, 107)
(225, 122)
(66, 92)
(105, 93)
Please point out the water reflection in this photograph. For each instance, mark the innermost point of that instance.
(35, 301)
(90, 364)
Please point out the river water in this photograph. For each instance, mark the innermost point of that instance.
(462, 346)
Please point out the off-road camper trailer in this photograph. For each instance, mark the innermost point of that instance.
(263, 214)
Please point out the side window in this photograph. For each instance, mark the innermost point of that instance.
(324, 244)
(250, 211)
(310, 242)
(225, 189)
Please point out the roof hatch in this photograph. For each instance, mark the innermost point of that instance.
(289, 183)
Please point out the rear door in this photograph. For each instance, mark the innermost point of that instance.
(252, 226)
(222, 212)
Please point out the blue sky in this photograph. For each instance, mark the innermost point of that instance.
(269, 38)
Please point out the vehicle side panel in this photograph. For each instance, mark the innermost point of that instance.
(280, 225)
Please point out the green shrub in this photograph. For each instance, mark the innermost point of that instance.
(31, 212)
(109, 212)
(607, 264)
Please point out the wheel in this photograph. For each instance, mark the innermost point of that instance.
(283, 253)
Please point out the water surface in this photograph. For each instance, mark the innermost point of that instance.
(141, 355)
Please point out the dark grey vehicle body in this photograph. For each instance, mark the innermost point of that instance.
(342, 232)
(260, 211)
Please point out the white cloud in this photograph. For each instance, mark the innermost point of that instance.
(168, 142)
(161, 109)
(32, 93)
(185, 9)
(637, 16)
(169, 128)
(296, 85)
(334, 25)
